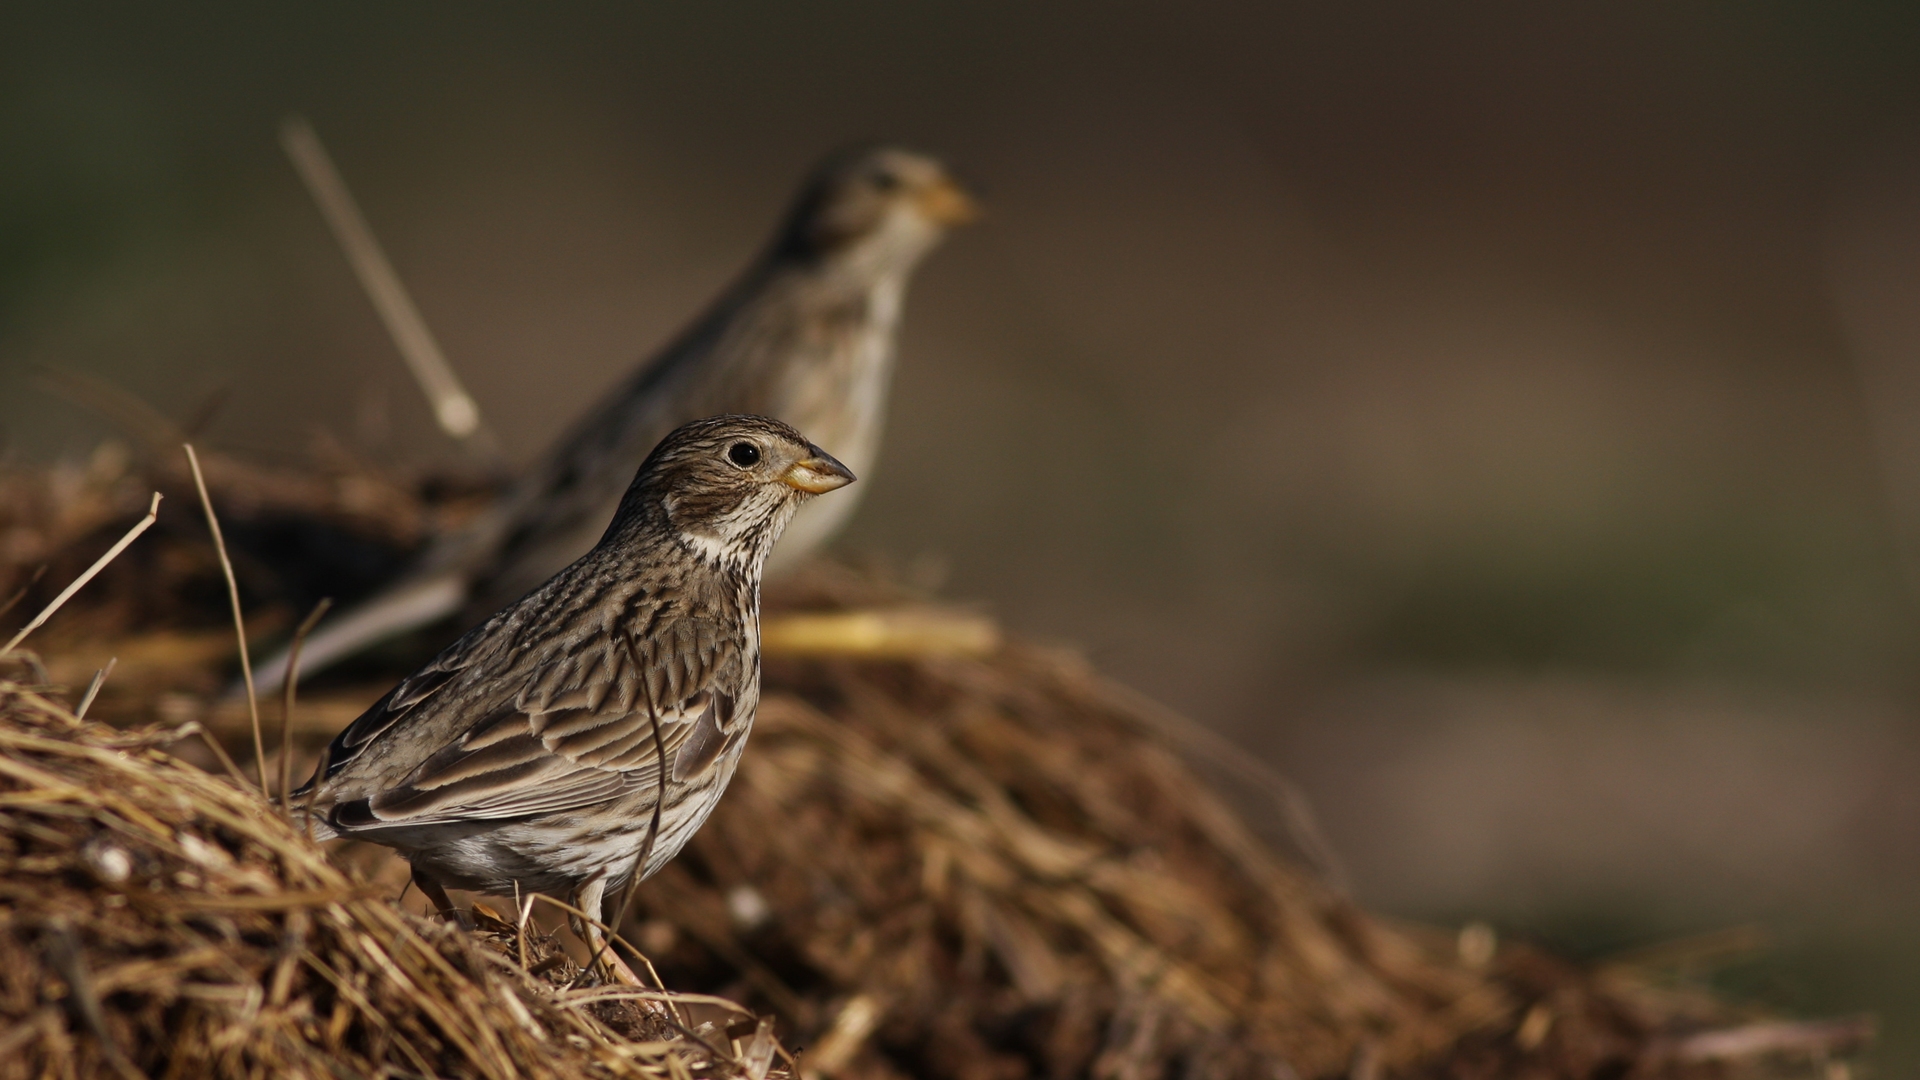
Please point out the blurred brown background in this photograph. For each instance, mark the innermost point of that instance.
(1507, 420)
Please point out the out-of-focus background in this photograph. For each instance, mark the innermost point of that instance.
(1503, 417)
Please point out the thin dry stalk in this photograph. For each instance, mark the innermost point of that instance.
(148, 425)
(145, 523)
(286, 700)
(239, 622)
(21, 593)
(653, 829)
(454, 409)
(93, 688)
(220, 754)
(1215, 751)
(612, 936)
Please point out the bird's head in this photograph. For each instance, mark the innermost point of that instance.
(875, 211)
(728, 485)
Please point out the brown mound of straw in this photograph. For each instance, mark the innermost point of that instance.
(994, 866)
(945, 856)
(160, 922)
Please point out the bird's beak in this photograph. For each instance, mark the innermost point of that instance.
(818, 473)
(946, 203)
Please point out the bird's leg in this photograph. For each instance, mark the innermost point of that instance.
(591, 898)
(432, 890)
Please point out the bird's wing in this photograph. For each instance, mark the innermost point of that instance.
(398, 704)
(581, 730)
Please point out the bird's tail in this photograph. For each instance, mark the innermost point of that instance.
(405, 607)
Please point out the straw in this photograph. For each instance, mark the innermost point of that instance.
(93, 688)
(454, 409)
(286, 700)
(239, 622)
(145, 523)
(187, 932)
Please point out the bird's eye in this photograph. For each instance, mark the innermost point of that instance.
(885, 181)
(744, 454)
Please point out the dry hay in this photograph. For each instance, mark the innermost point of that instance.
(968, 861)
(1009, 864)
(161, 922)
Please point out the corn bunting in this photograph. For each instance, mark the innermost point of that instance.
(580, 736)
(805, 335)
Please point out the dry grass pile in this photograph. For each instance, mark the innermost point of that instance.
(998, 866)
(161, 922)
(944, 856)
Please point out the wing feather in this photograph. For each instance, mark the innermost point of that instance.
(702, 747)
(578, 732)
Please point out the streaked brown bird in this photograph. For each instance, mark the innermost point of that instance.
(806, 335)
(580, 736)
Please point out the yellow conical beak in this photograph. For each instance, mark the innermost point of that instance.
(818, 473)
(948, 204)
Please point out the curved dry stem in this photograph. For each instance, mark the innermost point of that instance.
(239, 623)
(287, 687)
(145, 523)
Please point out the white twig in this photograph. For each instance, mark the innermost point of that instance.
(239, 624)
(99, 564)
(93, 688)
(453, 407)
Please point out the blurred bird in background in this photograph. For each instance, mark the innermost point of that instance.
(578, 738)
(805, 335)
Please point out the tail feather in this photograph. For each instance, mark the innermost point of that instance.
(389, 614)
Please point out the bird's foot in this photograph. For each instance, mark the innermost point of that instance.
(442, 903)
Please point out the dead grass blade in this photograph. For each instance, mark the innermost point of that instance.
(454, 409)
(145, 523)
(239, 621)
(287, 689)
(93, 688)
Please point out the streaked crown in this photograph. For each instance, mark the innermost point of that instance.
(728, 483)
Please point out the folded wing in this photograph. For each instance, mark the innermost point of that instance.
(582, 729)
